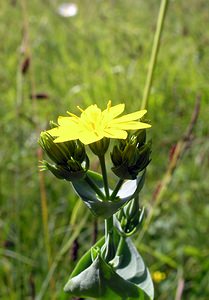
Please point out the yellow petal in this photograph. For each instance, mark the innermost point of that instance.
(115, 133)
(113, 111)
(66, 121)
(131, 125)
(70, 132)
(130, 117)
(53, 131)
(89, 137)
(91, 112)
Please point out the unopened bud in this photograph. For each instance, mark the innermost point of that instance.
(131, 156)
(71, 161)
(144, 156)
(141, 137)
(129, 219)
(100, 147)
(54, 151)
(63, 172)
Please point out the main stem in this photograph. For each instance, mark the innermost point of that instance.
(155, 49)
(108, 221)
(108, 226)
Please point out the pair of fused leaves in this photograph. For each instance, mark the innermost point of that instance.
(126, 278)
(107, 208)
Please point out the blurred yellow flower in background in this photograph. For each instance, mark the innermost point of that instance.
(158, 276)
(94, 124)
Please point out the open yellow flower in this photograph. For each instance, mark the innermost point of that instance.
(94, 124)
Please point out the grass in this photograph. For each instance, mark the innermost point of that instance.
(101, 54)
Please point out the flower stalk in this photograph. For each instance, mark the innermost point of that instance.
(116, 189)
(95, 187)
(104, 175)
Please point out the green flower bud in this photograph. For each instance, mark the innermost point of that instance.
(141, 137)
(131, 156)
(144, 156)
(131, 208)
(80, 152)
(129, 219)
(54, 151)
(71, 161)
(116, 156)
(100, 147)
(62, 172)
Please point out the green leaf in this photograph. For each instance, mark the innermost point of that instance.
(130, 280)
(101, 208)
(131, 188)
(131, 267)
(86, 259)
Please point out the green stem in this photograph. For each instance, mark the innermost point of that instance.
(120, 246)
(95, 187)
(110, 250)
(108, 226)
(155, 49)
(118, 186)
(104, 175)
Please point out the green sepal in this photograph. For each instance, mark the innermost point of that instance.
(129, 280)
(106, 208)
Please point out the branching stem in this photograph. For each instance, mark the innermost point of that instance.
(94, 187)
(117, 188)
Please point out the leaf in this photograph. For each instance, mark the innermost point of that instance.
(131, 188)
(102, 208)
(131, 267)
(86, 259)
(130, 280)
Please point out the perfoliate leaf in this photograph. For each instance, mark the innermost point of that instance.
(131, 267)
(101, 208)
(131, 188)
(130, 280)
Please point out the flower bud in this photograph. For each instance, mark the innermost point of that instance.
(100, 147)
(131, 156)
(144, 156)
(71, 161)
(54, 151)
(62, 172)
(141, 137)
(129, 219)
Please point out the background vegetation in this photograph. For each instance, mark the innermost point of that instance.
(50, 64)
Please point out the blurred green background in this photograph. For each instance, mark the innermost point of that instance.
(50, 64)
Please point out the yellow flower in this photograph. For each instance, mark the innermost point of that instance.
(158, 276)
(94, 124)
